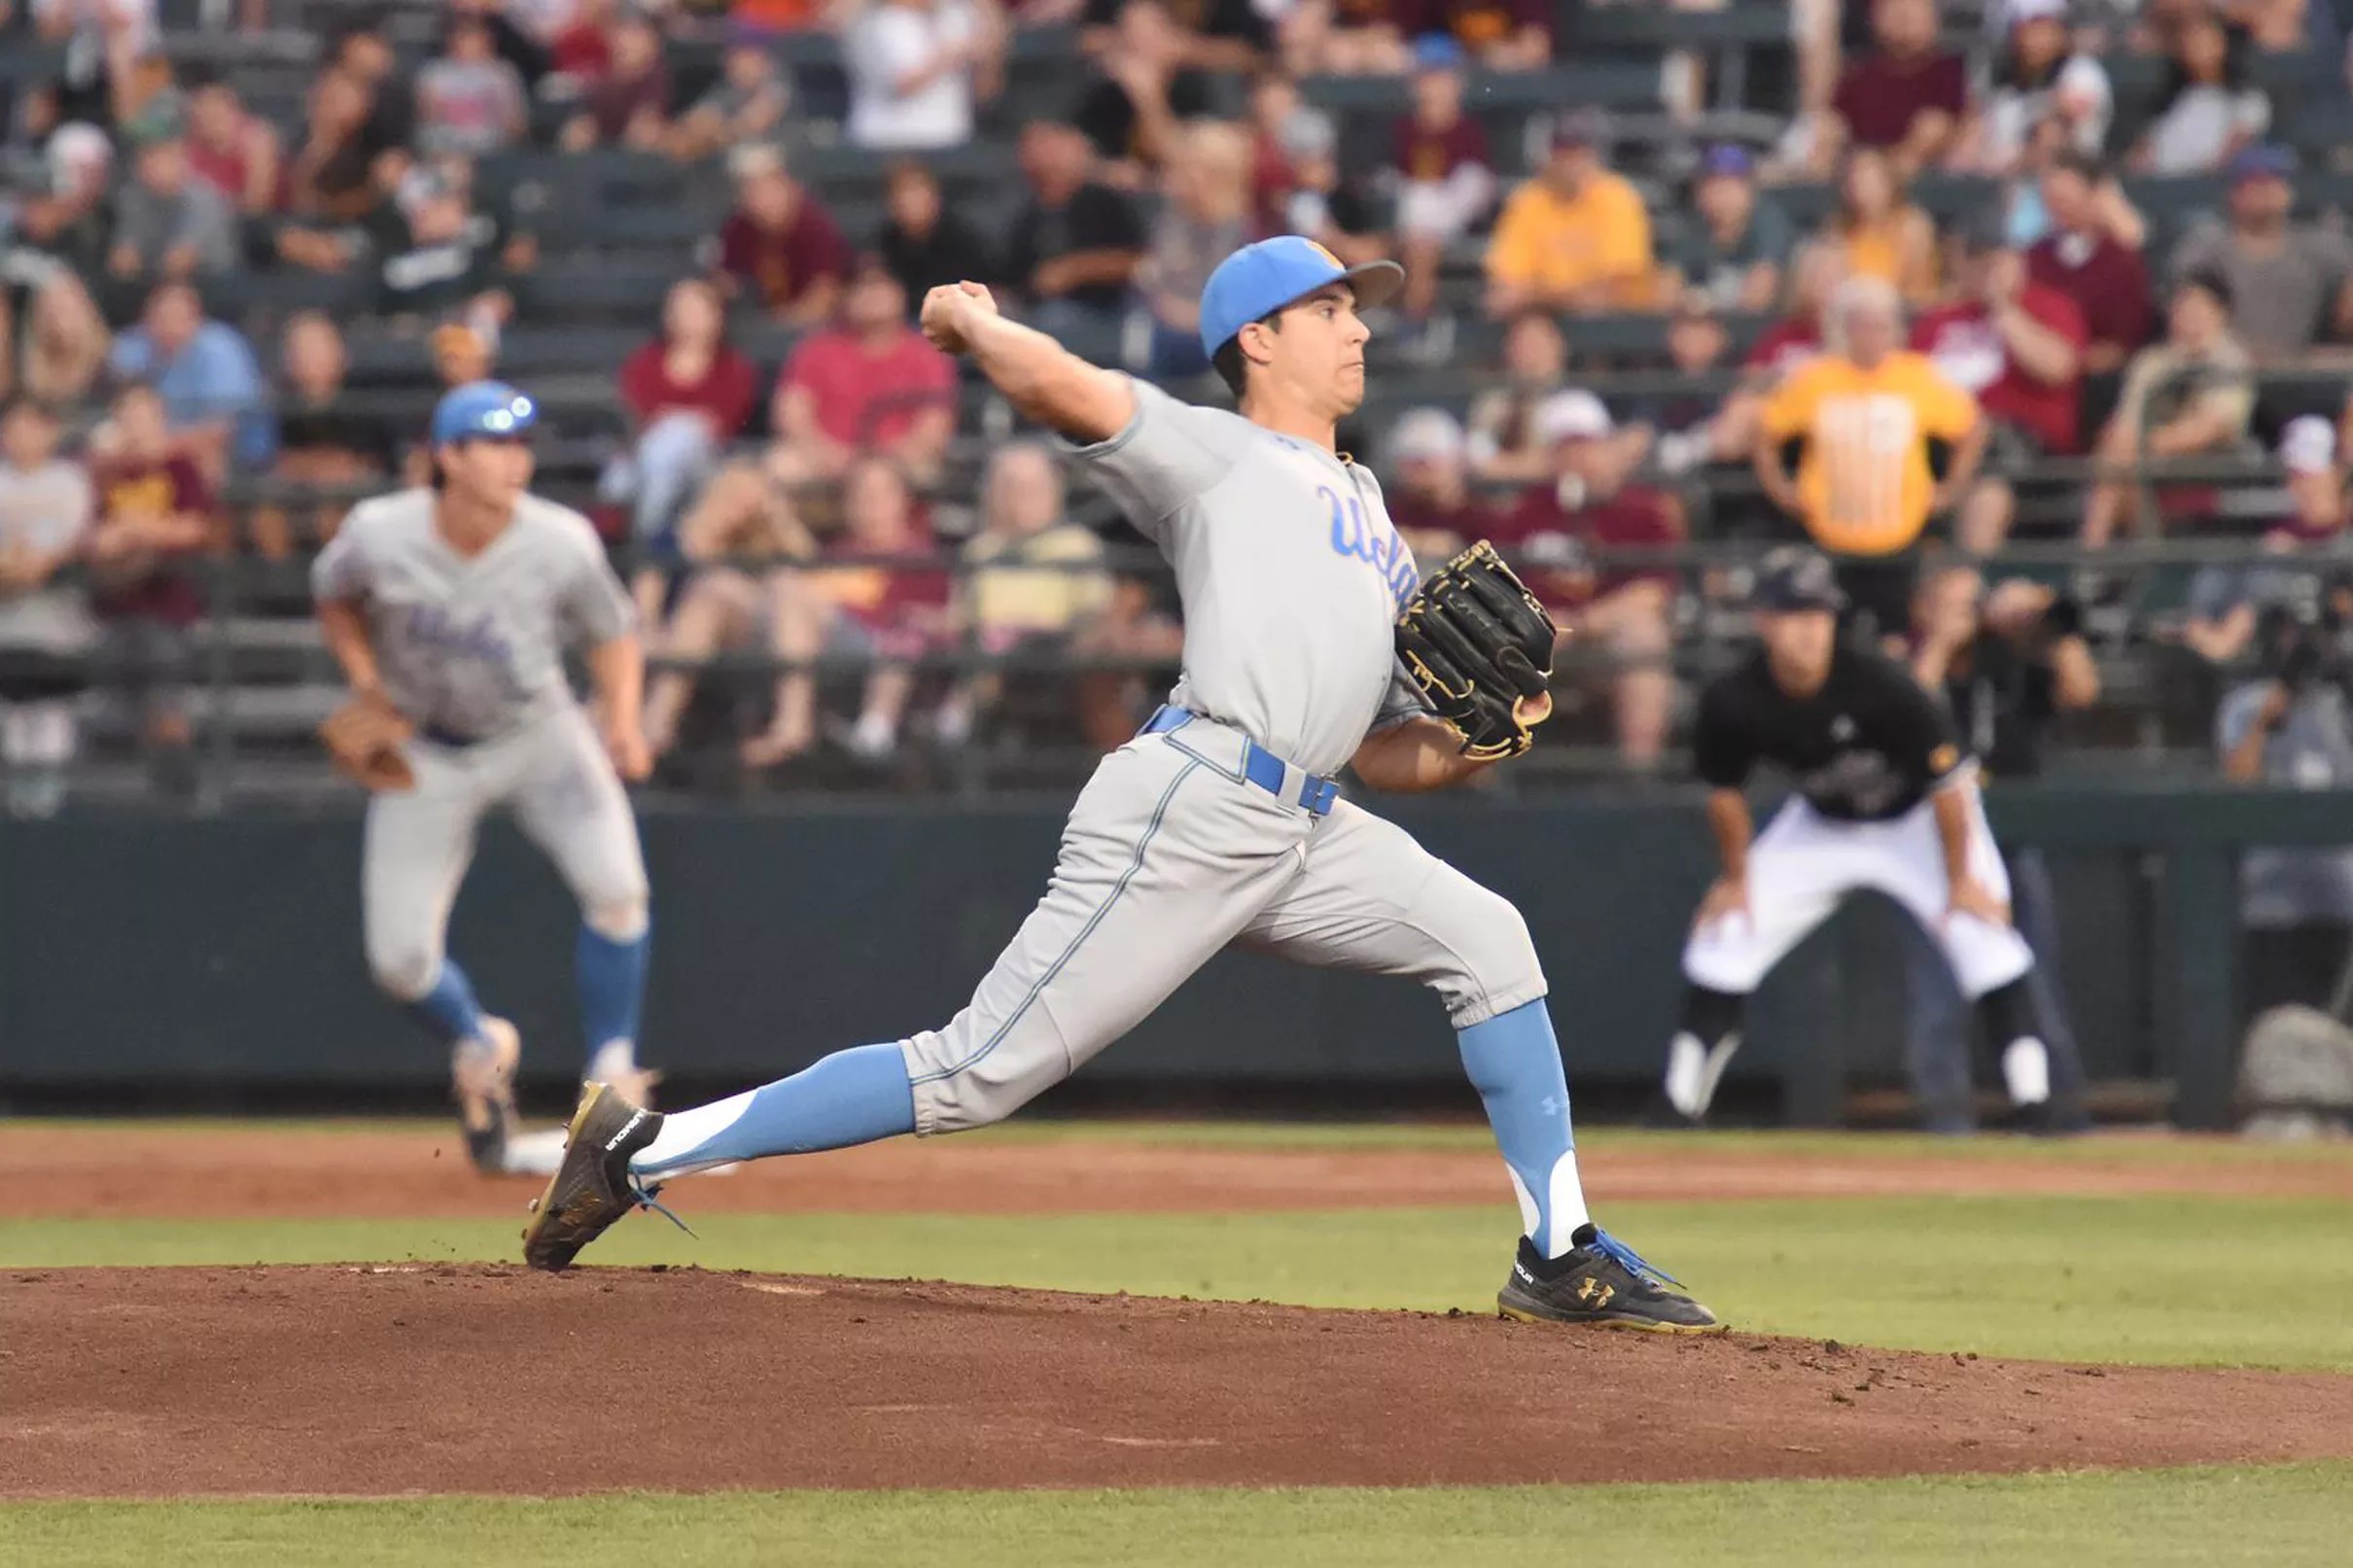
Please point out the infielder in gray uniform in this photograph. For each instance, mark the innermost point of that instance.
(1219, 822)
(449, 610)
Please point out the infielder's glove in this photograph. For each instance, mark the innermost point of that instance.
(365, 736)
(1478, 646)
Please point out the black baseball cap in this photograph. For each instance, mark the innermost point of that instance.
(1794, 578)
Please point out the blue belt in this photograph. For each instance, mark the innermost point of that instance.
(447, 737)
(1315, 795)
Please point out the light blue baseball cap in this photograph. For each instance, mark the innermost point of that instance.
(491, 408)
(1258, 280)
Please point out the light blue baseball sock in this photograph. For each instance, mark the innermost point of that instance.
(611, 978)
(1514, 1061)
(449, 1009)
(851, 1097)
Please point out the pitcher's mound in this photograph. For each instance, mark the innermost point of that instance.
(379, 1380)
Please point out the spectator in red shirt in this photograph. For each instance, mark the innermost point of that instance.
(1445, 179)
(1907, 97)
(154, 511)
(1429, 494)
(1501, 35)
(628, 103)
(687, 394)
(2017, 347)
(779, 244)
(580, 52)
(2081, 257)
(1554, 535)
(236, 151)
(871, 385)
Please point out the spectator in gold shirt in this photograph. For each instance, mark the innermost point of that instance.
(1575, 237)
(1862, 416)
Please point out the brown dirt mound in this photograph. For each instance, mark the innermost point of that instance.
(384, 1382)
(181, 1173)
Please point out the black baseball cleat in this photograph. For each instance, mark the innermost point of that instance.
(592, 1187)
(1600, 1281)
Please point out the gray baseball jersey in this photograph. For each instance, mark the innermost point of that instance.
(473, 647)
(1291, 576)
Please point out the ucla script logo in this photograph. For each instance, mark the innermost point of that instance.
(1357, 535)
(430, 626)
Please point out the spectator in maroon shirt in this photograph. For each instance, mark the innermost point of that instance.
(628, 103)
(1429, 494)
(1555, 532)
(1501, 35)
(2017, 347)
(778, 244)
(155, 513)
(687, 394)
(1446, 181)
(2081, 258)
(1907, 97)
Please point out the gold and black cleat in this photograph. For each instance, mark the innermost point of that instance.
(592, 1187)
(1600, 1281)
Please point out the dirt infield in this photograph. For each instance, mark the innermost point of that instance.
(130, 1171)
(384, 1382)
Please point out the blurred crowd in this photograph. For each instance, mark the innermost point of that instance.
(1947, 282)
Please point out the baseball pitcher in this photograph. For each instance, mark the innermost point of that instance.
(1885, 800)
(449, 608)
(1309, 645)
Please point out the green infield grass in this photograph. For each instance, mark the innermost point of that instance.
(2282, 1516)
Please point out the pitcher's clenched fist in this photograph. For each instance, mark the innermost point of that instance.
(949, 311)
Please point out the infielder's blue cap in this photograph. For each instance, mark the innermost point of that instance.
(1258, 280)
(491, 408)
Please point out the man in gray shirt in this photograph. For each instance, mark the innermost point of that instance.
(45, 628)
(2292, 728)
(168, 224)
(2287, 281)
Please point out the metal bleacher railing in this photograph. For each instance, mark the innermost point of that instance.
(260, 680)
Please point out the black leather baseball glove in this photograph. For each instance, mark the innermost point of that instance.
(1480, 646)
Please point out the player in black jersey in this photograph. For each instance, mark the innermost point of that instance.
(1885, 800)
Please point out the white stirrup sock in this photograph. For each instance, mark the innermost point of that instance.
(2026, 1070)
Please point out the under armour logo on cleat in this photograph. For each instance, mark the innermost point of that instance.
(1589, 1285)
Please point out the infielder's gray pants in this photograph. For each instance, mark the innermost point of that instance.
(1171, 853)
(567, 799)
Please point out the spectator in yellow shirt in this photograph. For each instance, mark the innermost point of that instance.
(1863, 414)
(1037, 577)
(1575, 237)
